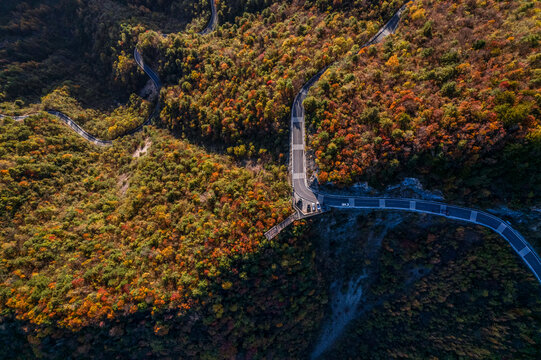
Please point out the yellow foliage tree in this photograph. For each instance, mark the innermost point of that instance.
(393, 62)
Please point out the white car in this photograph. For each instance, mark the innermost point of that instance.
(313, 207)
(318, 207)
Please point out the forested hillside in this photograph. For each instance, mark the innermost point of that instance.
(154, 228)
(153, 243)
(48, 44)
(452, 97)
(236, 91)
(154, 246)
(435, 289)
(87, 234)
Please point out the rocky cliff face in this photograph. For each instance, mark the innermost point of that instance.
(388, 271)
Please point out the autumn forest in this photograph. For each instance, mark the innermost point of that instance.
(154, 247)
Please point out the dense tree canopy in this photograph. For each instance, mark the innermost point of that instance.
(453, 97)
(155, 244)
(434, 289)
(88, 233)
(236, 90)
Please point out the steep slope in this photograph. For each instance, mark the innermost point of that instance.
(235, 89)
(155, 245)
(453, 97)
(150, 245)
(81, 221)
(429, 288)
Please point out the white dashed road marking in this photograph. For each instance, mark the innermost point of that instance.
(524, 251)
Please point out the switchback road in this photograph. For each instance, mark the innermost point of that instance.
(305, 199)
(100, 142)
(150, 73)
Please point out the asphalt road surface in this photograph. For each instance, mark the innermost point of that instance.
(150, 73)
(304, 196)
(79, 130)
(213, 19)
(504, 229)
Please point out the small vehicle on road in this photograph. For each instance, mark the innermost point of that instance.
(318, 207)
(313, 207)
(308, 208)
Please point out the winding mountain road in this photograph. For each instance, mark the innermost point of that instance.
(86, 135)
(303, 195)
(150, 73)
(305, 198)
(213, 19)
(307, 202)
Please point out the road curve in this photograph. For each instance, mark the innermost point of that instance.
(100, 142)
(525, 251)
(304, 196)
(150, 73)
(213, 21)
